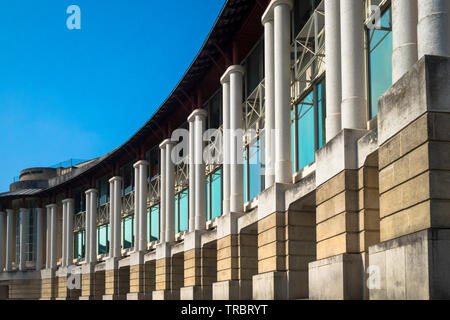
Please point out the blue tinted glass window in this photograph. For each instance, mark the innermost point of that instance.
(103, 239)
(216, 194)
(293, 142)
(79, 244)
(128, 232)
(245, 175)
(380, 61)
(305, 131)
(184, 210)
(254, 170)
(153, 223)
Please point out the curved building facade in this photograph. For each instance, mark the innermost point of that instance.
(303, 155)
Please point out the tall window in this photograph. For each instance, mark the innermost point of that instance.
(80, 200)
(303, 9)
(181, 211)
(128, 232)
(153, 223)
(308, 126)
(214, 195)
(103, 239)
(79, 244)
(103, 191)
(127, 172)
(380, 61)
(253, 170)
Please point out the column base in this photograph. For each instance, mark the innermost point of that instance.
(225, 290)
(191, 293)
(270, 286)
(139, 296)
(112, 297)
(165, 295)
(415, 266)
(89, 298)
(337, 278)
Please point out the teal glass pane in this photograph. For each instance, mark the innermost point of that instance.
(154, 223)
(79, 245)
(208, 198)
(245, 176)
(305, 131)
(254, 170)
(293, 141)
(321, 112)
(103, 239)
(216, 194)
(177, 210)
(380, 61)
(184, 210)
(127, 227)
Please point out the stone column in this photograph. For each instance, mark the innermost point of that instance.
(2, 236)
(282, 60)
(162, 191)
(404, 37)
(39, 238)
(48, 239)
(137, 203)
(24, 213)
(9, 238)
(353, 107)
(226, 143)
(200, 179)
(91, 223)
(87, 255)
(170, 193)
(191, 173)
(70, 207)
(92, 284)
(112, 273)
(115, 217)
(112, 218)
(234, 75)
(192, 245)
(143, 191)
(53, 258)
(333, 63)
(433, 35)
(269, 126)
(64, 234)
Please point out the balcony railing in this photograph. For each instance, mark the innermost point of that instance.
(128, 204)
(309, 53)
(254, 108)
(154, 191)
(79, 222)
(181, 177)
(103, 214)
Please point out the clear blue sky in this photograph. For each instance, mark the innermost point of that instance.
(81, 93)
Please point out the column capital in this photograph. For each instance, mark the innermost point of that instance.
(117, 178)
(67, 200)
(165, 143)
(231, 69)
(25, 210)
(141, 163)
(91, 191)
(197, 112)
(51, 206)
(268, 14)
(9, 211)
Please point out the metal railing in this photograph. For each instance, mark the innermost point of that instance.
(309, 53)
(103, 214)
(79, 221)
(154, 193)
(127, 204)
(254, 107)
